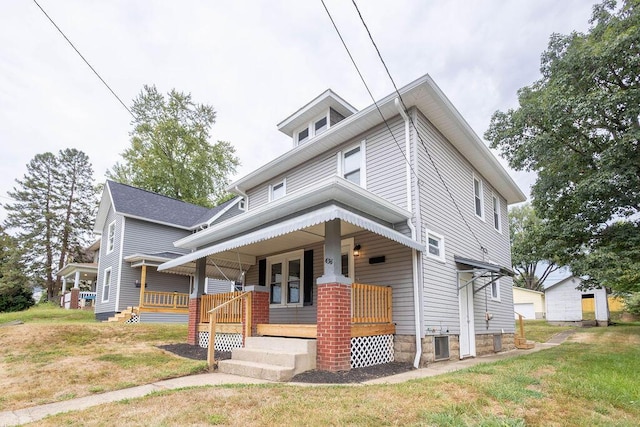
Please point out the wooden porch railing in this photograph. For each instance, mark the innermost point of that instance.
(217, 309)
(165, 300)
(231, 313)
(370, 303)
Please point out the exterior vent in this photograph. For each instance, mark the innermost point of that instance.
(442, 347)
(497, 342)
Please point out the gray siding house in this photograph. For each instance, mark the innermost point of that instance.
(138, 229)
(400, 197)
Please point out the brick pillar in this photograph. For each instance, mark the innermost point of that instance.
(334, 327)
(75, 294)
(259, 308)
(194, 320)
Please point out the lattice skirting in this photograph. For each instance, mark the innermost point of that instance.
(369, 351)
(134, 319)
(224, 342)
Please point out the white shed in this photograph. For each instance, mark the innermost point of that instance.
(565, 303)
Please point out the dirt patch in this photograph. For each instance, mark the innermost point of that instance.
(194, 352)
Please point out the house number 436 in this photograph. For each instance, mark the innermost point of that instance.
(328, 261)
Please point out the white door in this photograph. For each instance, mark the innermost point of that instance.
(467, 327)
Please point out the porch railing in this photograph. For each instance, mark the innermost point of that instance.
(229, 313)
(238, 298)
(370, 303)
(155, 299)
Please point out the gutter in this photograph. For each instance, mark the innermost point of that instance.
(414, 253)
(243, 194)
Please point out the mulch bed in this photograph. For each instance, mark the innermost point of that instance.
(357, 375)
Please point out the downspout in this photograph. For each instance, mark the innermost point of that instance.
(414, 253)
(246, 197)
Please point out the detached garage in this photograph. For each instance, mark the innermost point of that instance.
(565, 303)
(528, 303)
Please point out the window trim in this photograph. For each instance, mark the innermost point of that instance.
(497, 288)
(111, 236)
(480, 197)
(242, 204)
(497, 213)
(284, 258)
(284, 188)
(441, 246)
(310, 127)
(363, 162)
(107, 273)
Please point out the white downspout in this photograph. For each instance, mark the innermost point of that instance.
(414, 255)
(246, 197)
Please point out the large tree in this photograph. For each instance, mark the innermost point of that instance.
(15, 292)
(170, 152)
(533, 248)
(52, 214)
(578, 128)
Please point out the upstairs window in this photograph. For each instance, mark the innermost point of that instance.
(313, 128)
(496, 214)
(111, 236)
(435, 246)
(477, 197)
(303, 135)
(320, 126)
(352, 165)
(278, 191)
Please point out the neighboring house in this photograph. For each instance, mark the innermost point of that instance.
(138, 229)
(79, 280)
(529, 303)
(567, 304)
(380, 241)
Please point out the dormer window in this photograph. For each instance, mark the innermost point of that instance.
(278, 190)
(313, 128)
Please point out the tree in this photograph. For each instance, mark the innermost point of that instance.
(532, 248)
(15, 292)
(578, 128)
(170, 153)
(52, 215)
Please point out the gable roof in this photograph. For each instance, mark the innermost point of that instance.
(137, 203)
(422, 93)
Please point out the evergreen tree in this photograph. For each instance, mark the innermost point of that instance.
(15, 292)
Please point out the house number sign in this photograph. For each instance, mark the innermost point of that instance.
(328, 261)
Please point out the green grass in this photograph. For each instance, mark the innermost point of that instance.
(540, 330)
(49, 313)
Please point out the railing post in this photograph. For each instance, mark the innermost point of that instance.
(212, 339)
(175, 299)
(143, 279)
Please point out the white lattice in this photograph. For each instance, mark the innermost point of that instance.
(224, 342)
(134, 319)
(369, 351)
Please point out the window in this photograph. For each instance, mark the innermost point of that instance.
(477, 196)
(303, 135)
(435, 246)
(313, 128)
(495, 290)
(106, 284)
(111, 235)
(496, 214)
(285, 273)
(278, 190)
(320, 126)
(351, 165)
(242, 204)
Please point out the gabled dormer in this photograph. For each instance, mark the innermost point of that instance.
(316, 117)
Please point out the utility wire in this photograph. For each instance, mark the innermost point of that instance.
(368, 90)
(83, 58)
(424, 145)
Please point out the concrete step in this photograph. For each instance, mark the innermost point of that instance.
(255, 370)
(289, 345)
(299, 362)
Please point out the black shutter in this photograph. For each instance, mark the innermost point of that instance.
(308, 277)
(262, 272)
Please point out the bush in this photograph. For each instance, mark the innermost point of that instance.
(632, 303)
(15, 298)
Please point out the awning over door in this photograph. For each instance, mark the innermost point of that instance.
(485, 271)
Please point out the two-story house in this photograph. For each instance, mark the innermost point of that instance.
(138, 228)
(381, 235)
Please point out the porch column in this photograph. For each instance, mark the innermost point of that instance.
(76, 280)
(194, 300)
(259, 308)
(334, 307)
(64, 285)
(143, 283)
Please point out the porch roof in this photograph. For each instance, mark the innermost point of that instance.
(297, 231)
(87, 269)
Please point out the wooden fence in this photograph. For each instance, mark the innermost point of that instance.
(370, 303)
(153, 299)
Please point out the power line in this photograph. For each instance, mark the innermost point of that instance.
(84, 59)
(417, 131)
(368, 90)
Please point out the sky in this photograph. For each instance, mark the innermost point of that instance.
(255, 62)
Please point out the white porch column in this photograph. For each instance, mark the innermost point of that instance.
(64, 285)
(200, 278)
(76, 280)
(332, 255)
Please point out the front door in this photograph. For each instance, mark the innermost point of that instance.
(467, 327)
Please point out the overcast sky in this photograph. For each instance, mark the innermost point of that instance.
(255, 62)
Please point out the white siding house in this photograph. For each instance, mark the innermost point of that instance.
(566, 303)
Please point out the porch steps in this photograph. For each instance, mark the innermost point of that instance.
(523, 344)
(271, 358)
(124, 315)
